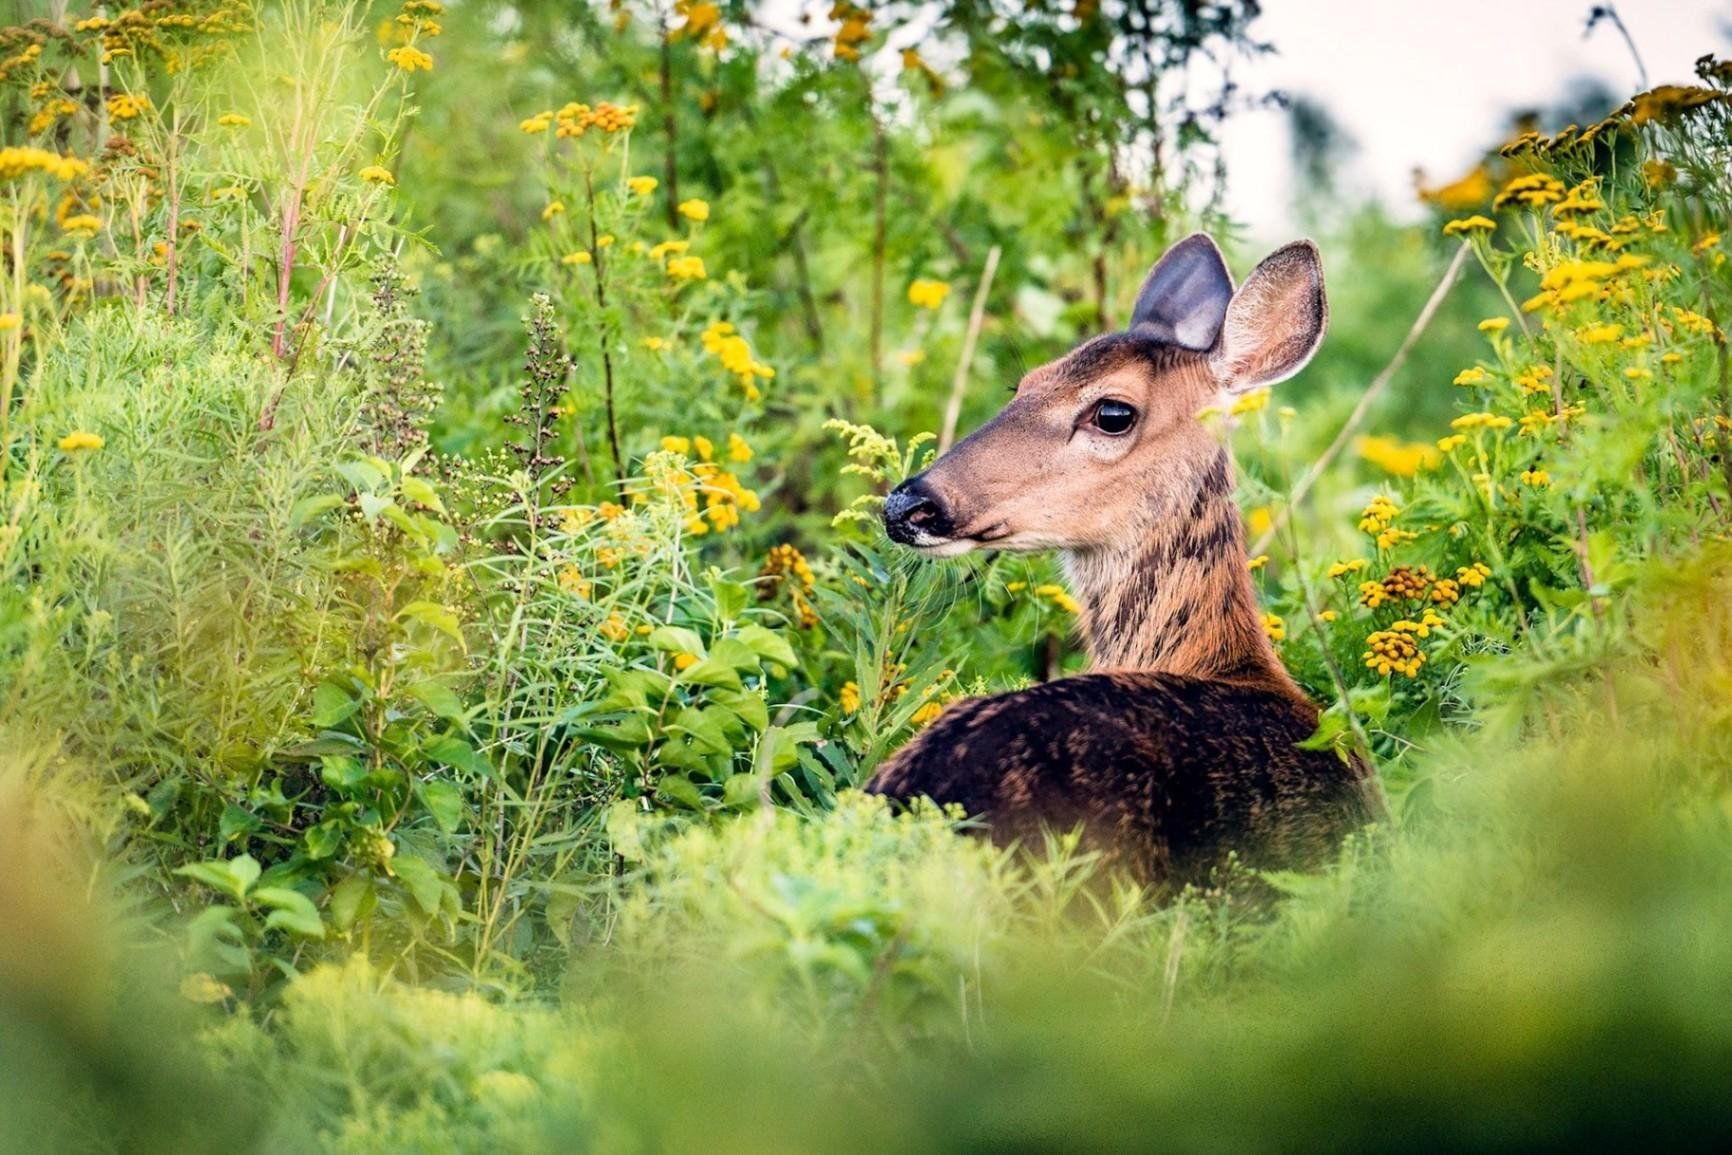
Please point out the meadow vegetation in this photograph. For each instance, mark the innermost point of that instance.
(444, 618)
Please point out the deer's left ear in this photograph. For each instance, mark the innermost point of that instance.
(1275, 321)
(1185, 295)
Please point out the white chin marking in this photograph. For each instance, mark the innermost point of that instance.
(953, 548)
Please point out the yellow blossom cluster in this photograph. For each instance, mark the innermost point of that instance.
(1378, 521)
(1466, 226)
(1472, 376)
(855, 29)
(1343, 568)
(16, 163)
(735, 353)
(787, 566)
(1275, 626)
(576, 118)
(1534, 189)
(410, 59)
(1535, 380)
(1055, 594)
(1573, 280)
(1401, 458)
(849, 697)
(928, 294)
(1252, 402)
(1393, 652)
(1471, 421)
(1473, 575)
(643, 186)
(721, 494)
(703, 23)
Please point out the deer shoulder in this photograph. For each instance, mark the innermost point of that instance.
(1187, 744)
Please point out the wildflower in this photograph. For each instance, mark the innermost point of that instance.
(679, 445)
(1534, 190)
(1468, 225)
(1705, 244)
(614, 628)
(409, 58)
(578, 258)
(703, 448)
(127, 105)
(1393, 652)
(1473, 376)
(694, 209)
(234, 120)
(654, 344)
(1452, 443)
(1637, 341)
(572, 581)
(377, 174)
(850, 697)
(82, 225)
(605, 241)
(1378, 514)
(1469, 192)
(686, 268)
(1343, 568)
(10, 321)
(1372, 594)
(684, 661)
(1536, 477)
(1583, 198)
(1257, 563)
(1667, 102)
(537, 124)
(1535, 380)
(1275, 627)
(1671, 358)
(1692, 322)
(1473, 575)
(1259, 520)
(643, 186)
(1327, 615)
(669, 247)
(1599, 334)
(1446, 591)
(738, 450)
(1637, 373)
(925, 294)
(1427, 622)
(1249, 403)
(1058, 597)
(1403, 459)
(927, 713)
(1481, 421)
(1535, 420)
(1494, 325)
(553, 209)
(80, 439)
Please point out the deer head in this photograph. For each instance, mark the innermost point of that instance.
(1103, 453)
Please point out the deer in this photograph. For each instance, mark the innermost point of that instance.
(1182, 745)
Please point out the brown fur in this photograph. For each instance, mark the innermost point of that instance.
(1185, 746)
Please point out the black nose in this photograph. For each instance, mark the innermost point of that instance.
(913, 513)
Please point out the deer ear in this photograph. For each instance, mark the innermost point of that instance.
(1275, 321)
(1185, 296)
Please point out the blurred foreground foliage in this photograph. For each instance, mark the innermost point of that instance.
(443, 617)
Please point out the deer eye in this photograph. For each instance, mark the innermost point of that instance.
(1113, 417)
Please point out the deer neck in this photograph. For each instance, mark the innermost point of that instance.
(1176, 596)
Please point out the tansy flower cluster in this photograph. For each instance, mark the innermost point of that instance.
(1378, 521)
(721, 494)
(855, 30)
(787, 566)
(576, 118)
(927, 294)
(1054, 594)
(735, 353)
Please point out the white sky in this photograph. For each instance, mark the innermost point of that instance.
(1428, 85)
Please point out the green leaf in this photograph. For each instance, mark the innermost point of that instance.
(422, 494)
(737, 654)
(215, 942)
(236, 823)
(332, 705)
(742, 791)
(426, 885)
(372, 505)
(439, 698)
(290, 910)
(363, 475)
(341, 772)
(444, 801)
(233, 877)
(308, 508)
(637, 689)
(353, 898)
(711, 672)
(732, 597)
(678, 640)
(449, 750)
(747, 705)
(680, 790)
(768, 644)
(433, 614)
(324, 840)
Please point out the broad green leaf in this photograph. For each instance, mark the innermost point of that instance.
(449, 750)
(439, 698)
(425, 883)
(372, 505)
(332, 705)
(711, 672)
(324, 840)
(290, 910)
(732, 597)
(433, 614)
(678, 640)
(341, 772)
(363, 475)
(308, 508)
(768, 644)
(443, 801)
(737, 654)
(422, 494)
(351, 899)
(679, 789)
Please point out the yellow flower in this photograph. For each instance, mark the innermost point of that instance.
(927, 713)
(1275, 627)
(536, 124)
(705, 451)
(1494, 325)
(578, 258)
(1535, 380)
(1598, 334)
(695, 209)
(667, 248)
(1249, 403)
(1393, 652)
(1452, 443)
(1481, 421)
(680, 445)
(604, 241)
(1257, 563)
(1327, 615)
(1466, 225)
(126, 106)
(686, 268)
(1536, 477)
(643, 186)
(684, 661)
(10, 321)
(614, 629)
(378, 174)
(1637, 373)
(234, 120)
(1402, 458)
(925, 294)
(572, 581)
(82, 225)
(738, 450)
(80, 439)
(850, 698)
(1473, 376)
(655, 344)
(1473, 575)
(409, 58)
(1343, 568)
(553, 209)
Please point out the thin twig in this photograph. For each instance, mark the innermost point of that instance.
(1366, 401)
(976, 317)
